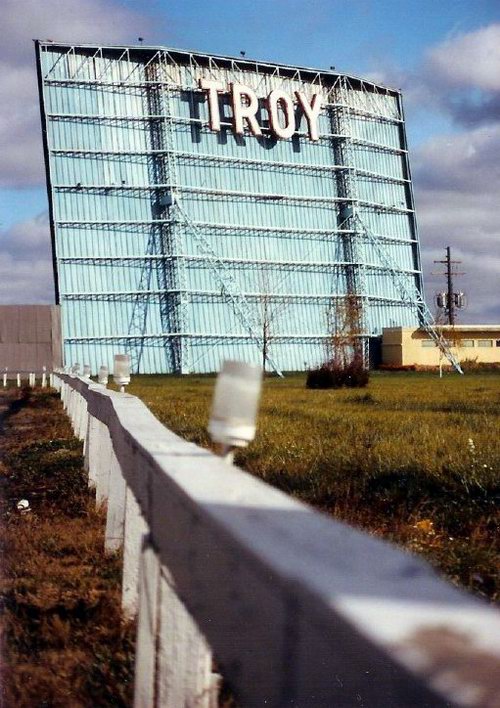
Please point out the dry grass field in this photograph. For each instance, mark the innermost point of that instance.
(63, 641)
(412, 458)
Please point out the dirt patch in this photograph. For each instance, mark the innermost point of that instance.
(63, 641)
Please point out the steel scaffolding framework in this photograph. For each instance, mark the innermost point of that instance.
(177, 244)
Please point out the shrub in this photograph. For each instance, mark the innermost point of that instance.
(325, 376)
(475, 365)
(355, 374)
(334, 375)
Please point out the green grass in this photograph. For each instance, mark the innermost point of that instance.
(412, 458)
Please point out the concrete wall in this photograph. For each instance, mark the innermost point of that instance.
(405, 346)
(30, 338)
(299, 609)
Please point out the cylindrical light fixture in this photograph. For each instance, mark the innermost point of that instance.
(86, 371)
(103, 375)
(234, 407)
(121, 371)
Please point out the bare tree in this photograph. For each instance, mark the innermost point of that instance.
(344, 321)
(273, 305)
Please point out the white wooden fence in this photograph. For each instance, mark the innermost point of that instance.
(299, 610)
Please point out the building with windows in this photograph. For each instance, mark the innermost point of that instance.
(406, 346)
(206, 207)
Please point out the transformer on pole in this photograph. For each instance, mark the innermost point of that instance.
(450, 301)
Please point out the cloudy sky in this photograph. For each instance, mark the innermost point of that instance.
(444, 54)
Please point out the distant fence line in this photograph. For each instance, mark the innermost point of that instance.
(299, 610)
(26, 376)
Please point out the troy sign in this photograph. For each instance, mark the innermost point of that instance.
(245, 105)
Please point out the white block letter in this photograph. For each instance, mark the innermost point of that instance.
(213, 88)
(280, 98)
(311, 112)
(246, 111)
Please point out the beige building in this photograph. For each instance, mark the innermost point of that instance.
(404, 346)
(30, 338)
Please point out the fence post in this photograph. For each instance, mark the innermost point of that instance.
(115, 518)
(147, 627)
(92, 450)
(184, 675)
(82, 420)
(134, 533)
(104, 453)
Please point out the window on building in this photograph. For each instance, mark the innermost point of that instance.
(465, 343)
(484, 342)
(428, 343)
(498, 342)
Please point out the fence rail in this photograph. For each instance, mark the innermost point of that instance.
(298, 609)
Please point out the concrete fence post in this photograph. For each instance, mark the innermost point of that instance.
(78, 414)
(184, 673)
(115, 518)
(75, 400)
(82, 419)
(71, 405)
(104, 456)
(92, 450)
(135, 531)
(147, 628)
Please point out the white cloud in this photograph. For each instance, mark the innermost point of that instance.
(92, 21)
(457, 175)
(463, 162)
(457, 196)
(469, 60)
(26, 263)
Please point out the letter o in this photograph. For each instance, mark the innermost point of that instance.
(275, 99)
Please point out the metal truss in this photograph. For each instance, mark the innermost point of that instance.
(237, 299)
(228, 194)
(346, 186)
(215, 227)
(161, 337)
(320, 266)
(205, 128)
(194, 158)
(413, 297)
(164, 238)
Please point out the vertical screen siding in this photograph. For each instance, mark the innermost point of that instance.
(179, 244)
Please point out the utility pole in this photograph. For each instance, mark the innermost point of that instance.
(449, 302)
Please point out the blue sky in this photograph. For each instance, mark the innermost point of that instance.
(444, 55)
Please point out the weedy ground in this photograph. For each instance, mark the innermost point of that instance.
(63, 641)
(412, 458)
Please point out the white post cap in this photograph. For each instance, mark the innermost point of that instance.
(235, 404)
(121, 371)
